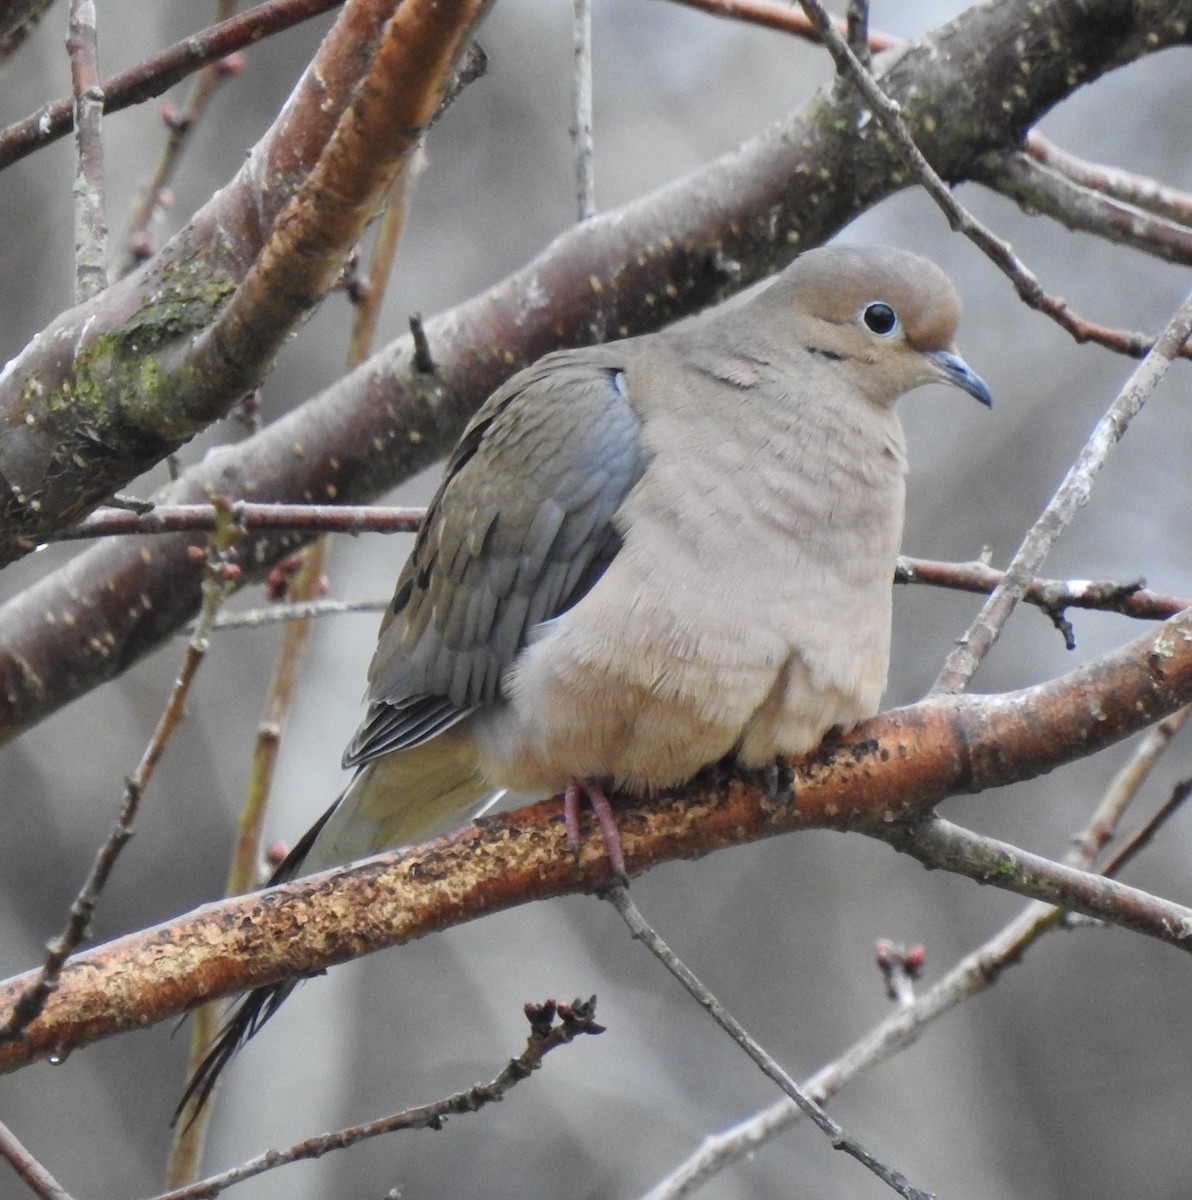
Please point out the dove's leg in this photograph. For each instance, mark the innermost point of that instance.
(576, 791)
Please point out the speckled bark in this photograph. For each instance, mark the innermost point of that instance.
(899, 764)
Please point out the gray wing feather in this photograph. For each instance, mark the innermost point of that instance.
(521, 527)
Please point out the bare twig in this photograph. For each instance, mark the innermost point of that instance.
(40, 1181)
(950, 847)
(1122, 791)
(1053, 596)
(179, 126)
(191, 518)
(1142, 836)
(1082, 195)
(574, 1019)
(152, 77)
(777, 16)
(857, 30)
(887, 111)
(33, 999)
(619, 898)
(91, 224)
(187, 1148)
(1028, 178)
(1136, 190)
(585, 168)
(973, 974)
(1070, 497)
(297, 610)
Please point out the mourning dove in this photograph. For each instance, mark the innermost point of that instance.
(646, 556)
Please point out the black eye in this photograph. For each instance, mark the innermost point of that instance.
(880, 318)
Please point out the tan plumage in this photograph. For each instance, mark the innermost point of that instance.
(647, 555)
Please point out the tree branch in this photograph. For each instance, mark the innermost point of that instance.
(114, 385)
(159, 73)
(888, 769)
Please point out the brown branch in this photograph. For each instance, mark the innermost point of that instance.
(1082, 195)
(975, 973)
(114, 385)
(898, 764)
(943, 845)
(1053, 596)
(1137, 191)
(390, 110)
(159, 73)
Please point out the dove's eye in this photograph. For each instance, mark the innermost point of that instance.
(880, 318)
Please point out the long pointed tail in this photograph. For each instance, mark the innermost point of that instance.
(395, 800)
(255, 1008)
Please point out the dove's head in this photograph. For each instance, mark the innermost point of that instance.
(887, 317)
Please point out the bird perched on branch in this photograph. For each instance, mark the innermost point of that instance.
(644, 557)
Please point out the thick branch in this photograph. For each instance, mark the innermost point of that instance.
(892, 767)
(115, 384)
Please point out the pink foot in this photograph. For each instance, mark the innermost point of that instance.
(576, 791)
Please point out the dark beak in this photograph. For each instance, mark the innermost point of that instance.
(957, 372)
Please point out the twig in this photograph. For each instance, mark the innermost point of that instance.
(1083, 195)
(1028, 178)
(1053, 596)
(619, 898)
(90, 224)
(187, 1149)
(192, 518)
(1142, 836)
(30, 1004)
(1070, 497)
(40, 1181)
(1135, 190)
(857, 30)
(944, 845)
(777, 16)
(1122, 791)
(585, 169)
(179, 126)
(296, 610)
(153, 76)
(973, 974)
(1025, 282)
(574, 1019)
(1128, 598)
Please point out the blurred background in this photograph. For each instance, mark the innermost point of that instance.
(1072, 1077)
